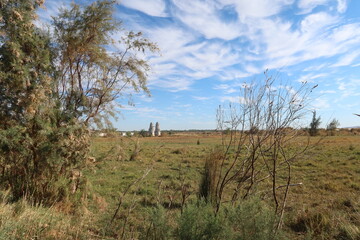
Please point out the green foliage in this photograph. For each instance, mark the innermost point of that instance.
(25, 65)
(35, 152)
(90, 78)
(332, 126)
(199, 221)
(250, 220)
(159, 228)
(253, 220)
(38, 164)
(53, 87)
(314, 125)
(143, 133)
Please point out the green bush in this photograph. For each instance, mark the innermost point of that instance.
(158, 228)
(198, 221)
(251, 220)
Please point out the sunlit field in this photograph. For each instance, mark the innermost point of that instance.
(262, 98)
(325, 205)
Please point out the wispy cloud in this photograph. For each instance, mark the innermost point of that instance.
(201, 98)
(342, 6)
(327, 91)
(347, 59)
(310, 77)
(150, 7)
(258, 8)
(307, 6)
(349, 87)
(321, 103)
(230, 99)
(201, 40)
(216, 45)
(172, 84)
(204, 18)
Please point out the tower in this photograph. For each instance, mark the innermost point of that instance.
(151, 130)
(157, 130)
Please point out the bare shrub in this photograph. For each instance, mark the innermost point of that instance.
(258, 151)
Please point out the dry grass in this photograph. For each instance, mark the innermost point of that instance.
(329, 173)
(325, 206)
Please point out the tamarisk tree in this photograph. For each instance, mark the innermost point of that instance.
(94, 68)
(53, 87)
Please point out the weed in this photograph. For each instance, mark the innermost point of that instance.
(159, 228)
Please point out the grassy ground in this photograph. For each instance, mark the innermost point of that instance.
(325, 206)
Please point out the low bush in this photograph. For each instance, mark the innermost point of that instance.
(250, 220)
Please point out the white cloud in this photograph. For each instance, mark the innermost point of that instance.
(250, 68)
(205, 60)
(327, 92)
(201, 98)
(308, 5)
(315, 68)
(150, 7)
(230, 99)
(258, 8)
(230, 88)
(347, 59)
(170, 38)
(310, 77)
(233, 75)
(173, 84)
(222, 87)
(349, 88)
(261, 41)
(342, 6)
(320, 103)
(284, 45)
(203, 17)
(318, 21)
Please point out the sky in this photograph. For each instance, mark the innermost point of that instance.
(209, 48)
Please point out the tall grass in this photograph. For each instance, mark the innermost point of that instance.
(209, 180)
(22, 221)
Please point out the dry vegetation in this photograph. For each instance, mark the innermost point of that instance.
(325, 206)
(261, 179)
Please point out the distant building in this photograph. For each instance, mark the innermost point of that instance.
(157, 130)
(152, 130)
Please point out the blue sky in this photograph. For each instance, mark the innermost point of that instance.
(209, 48)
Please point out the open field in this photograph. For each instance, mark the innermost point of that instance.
(328, 200)
(276, 167)
(325, 206)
